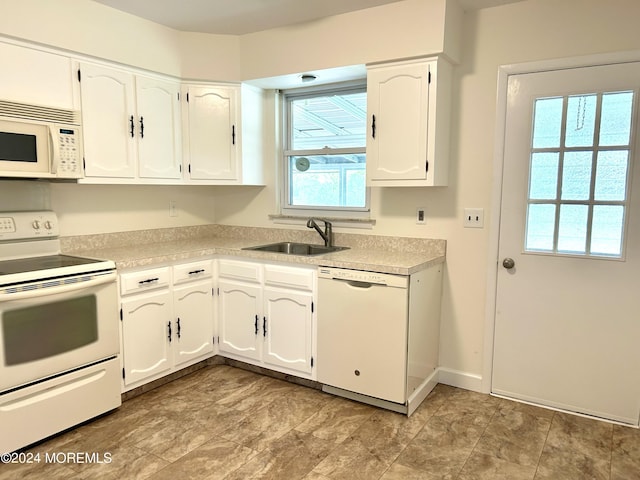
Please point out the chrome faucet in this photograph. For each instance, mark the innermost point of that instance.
(327, 235)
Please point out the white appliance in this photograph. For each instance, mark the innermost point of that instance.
(59, 343)
(40, 142)
(378, 335)
(362, 332)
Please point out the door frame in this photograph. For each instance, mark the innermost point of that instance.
(504, 72)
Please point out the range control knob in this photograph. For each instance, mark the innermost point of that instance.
(36, 224)
(48, 225)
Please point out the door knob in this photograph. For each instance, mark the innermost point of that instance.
(508, 263)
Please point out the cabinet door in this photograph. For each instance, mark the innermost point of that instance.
(287, 329)
(212, 136)
(158, 128)
(193, 309)
(239, 321)
(146, 322)
(397, 107)
(108, 121)
(33, 76)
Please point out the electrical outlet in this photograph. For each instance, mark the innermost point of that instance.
(421, 217)
(474, 217)
(173, 212)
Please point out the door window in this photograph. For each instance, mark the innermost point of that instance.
(578, 174)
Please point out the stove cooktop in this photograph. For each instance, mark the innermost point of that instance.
(43, 268)
(22, 265)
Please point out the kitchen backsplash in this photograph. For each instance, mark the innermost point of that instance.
(259, 234)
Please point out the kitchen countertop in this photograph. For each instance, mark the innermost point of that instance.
(394, 255)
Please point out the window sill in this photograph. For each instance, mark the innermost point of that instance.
(364, 223)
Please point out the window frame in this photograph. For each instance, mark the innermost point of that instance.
(286, 208)
(590, 202)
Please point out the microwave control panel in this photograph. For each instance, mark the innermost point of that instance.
(68, 161)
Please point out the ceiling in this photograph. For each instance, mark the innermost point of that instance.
(239, 17)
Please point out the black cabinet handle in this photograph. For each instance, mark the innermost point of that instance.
(132, 126)
(148, 280)
(233, 134)
(178, 332)
(373, 126)
(141, 127)
(264, 326)
(256, 324)
(169, 325)
(195, 272)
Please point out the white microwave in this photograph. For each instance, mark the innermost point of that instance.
(39, 142)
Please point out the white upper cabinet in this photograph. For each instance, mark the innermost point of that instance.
(212, 132)
(159, 135)
(222, 127)
(408, 108)
(35, 76)
(108, 121)
(131, 126)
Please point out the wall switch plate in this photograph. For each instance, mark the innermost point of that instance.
(421, 216)
(473, 218)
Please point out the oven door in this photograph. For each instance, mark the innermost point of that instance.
(56, 326)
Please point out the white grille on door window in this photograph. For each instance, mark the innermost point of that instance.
(579, 174)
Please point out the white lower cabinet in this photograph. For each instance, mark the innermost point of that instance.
(146, 322)
(287, 330)
(167, 320)
(239, 307)
(266, 315)
(193, 311)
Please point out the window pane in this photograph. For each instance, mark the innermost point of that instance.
(572, 230)
(356, 194)
(543, 183)
(606, 230)
(540, 226)
(547, 122)
(327, 180)
(331, 121)
(576, 176)
(581, 120)
(611, 175)
(615, 125)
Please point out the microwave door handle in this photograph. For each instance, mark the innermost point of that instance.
(67, 288)
(55, 149)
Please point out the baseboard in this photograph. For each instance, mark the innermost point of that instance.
(456, 378)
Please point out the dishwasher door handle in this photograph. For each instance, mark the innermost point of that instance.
(357, 284)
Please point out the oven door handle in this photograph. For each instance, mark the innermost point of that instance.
(39, 292)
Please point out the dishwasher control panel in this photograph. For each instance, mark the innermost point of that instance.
(362, 276)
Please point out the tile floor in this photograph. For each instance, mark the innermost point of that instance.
(227, 423)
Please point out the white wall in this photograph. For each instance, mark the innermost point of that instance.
(526, 31)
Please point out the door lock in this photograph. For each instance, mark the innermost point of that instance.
(508, 263)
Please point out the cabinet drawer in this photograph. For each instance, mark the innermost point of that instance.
(144, 280)
(191, 271)
(289, 277)
(240, 270)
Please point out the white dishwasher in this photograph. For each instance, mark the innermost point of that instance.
(362, 333)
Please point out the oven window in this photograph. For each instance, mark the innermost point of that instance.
(18, 147)
(49, 329)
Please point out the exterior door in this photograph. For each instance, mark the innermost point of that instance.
(567, 326)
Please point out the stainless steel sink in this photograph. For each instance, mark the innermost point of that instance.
(291, 248)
